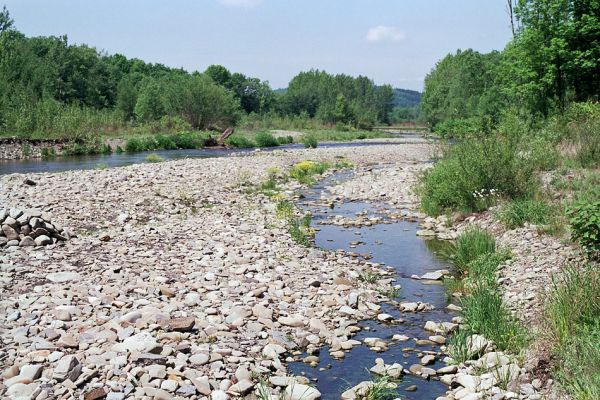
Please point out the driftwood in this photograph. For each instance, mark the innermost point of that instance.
(228, 132)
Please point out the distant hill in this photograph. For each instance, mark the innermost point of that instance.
(406, 98)
(402, 97)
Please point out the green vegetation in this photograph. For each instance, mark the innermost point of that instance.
(154, 158)
(304, 171)
(382, 388)
(310, 141)
(584, 218)
(551, 62)
(239, 141)
(469, 247)
(517, 213)
(50, 88)
(576, 331)
(473, 174)
(477, 260)
(265, 139)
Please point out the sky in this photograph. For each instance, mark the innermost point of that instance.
(391, 41)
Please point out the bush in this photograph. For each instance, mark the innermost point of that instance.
(188, 140)
(265, 139)
(134, 145)
(584, 218)
(310, 142)
(285, 139)
(588, 144)
(518, 212)
(239, 141)
(165, 142)
(474, 173)
(471, 245)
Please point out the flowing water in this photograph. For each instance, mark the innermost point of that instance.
(397, 246)
(57, 164)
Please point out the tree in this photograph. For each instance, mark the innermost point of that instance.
(219, 74)
(6, 22)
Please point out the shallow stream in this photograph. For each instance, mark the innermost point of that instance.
(397, 246)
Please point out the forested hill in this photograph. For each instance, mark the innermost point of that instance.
(406, 98)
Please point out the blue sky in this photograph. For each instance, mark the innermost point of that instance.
(391, 41)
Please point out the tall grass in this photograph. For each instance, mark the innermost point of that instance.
(469, 246)
(477, 261)
(518, 212)
(574, 316)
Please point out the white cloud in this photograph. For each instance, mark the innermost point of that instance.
(385, 33)
(240, 3)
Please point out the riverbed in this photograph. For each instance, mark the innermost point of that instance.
(182, 239)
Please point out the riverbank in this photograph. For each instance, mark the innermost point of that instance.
(24, 148)
(195, 284)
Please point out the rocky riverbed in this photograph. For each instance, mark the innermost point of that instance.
(178, 284)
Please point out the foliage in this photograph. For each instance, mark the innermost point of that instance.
(518, 212)
(584, 218)
(382, 388)
(337, 98)
(473, 173)
(310, 141)
(552, 60)
(265, 139)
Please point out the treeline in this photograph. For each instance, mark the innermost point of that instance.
(51, 88)
(552, 61)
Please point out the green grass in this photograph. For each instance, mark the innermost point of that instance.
(469, 246)
(519, 212)
(574, 316)
(382, 388)
(485, 314)
(458, 346)
(477, 260)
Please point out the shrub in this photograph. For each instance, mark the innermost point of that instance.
(188, 140)
(165, 142)
(134, 145)
(285, 139)
(588, 144)
(473, 173)
(471, 245)
(265, 139)
(48, 152)
(310, 142)
(584, 218)
(299, 229)
(518, 212)
(239, 141)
